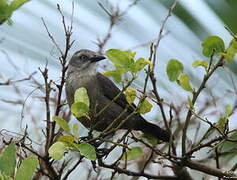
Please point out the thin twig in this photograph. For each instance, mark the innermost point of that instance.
(194, 98)
(73, 168)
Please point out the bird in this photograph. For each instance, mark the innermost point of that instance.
(82, 72)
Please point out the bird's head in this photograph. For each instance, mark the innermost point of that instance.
(85, 60)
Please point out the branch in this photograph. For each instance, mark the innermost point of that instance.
(51, 37)
(73, 168)
(46, 100)
(195, 96)
(132, 173)
(63, 61)
(200, 146)
(153, 59)
(10, 82)
(115, 15)
(209, 170)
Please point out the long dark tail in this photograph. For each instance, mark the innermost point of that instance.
(153, 130)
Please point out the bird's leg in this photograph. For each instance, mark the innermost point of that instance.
(108, 136)
(99, 142)
(86, 138)
(94, 166)
(101, 152)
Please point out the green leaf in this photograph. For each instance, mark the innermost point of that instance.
(212, 44)
(15, 4)
(140, 64)
(174, 69)
(117, 75)
(228, 145)
(221, 123)
(223, 119)
(6, 9)
(67, 139)
(87, 150)
(5, 177)
(183, 81)
(57, 150)
(145, 107)
(79, 109)
(81, 96)
(75, 130)
(150, 139)
(62, 123)
(5, 13)
(130, 95)
(120, 58)
(3, 5)
(8, 160)
(133, 153)
(201, 63)
(231, 51)
(27, 168)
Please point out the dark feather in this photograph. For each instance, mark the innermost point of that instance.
(110, 90)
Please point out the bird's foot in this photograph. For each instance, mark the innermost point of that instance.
(86, 138)
(102, 152)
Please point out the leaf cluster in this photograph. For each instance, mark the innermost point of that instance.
(7, 9)
(8, 164)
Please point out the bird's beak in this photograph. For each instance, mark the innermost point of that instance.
(97, 58)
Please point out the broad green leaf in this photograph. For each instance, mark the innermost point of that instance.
(8, 160)
(227, 145)
(70, 142)
(57, 150)
(62, 123)
(174, 69)
(201, 63)
(5, 13)
(117, 75)
(3, 4)
(87, 150)
(75, 130)
(27, 168)
(6, 9)
(231, 51)
(131, 55)
(79, 109)
(183, 81)
(140, 64)
(5, 177)
(66, 139)
(223, 119)
(145, 107)
(81, 96)
(15, 4)
(133, 153)
(150, 139)
(212, 44)
(120, 58)
(130, 95)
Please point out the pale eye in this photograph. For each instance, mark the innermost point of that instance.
(83, 57)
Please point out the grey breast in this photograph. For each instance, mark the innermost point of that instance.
(98, 100)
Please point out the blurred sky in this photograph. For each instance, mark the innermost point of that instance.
(28, 46)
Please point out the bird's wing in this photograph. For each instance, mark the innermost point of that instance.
(110, 91)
